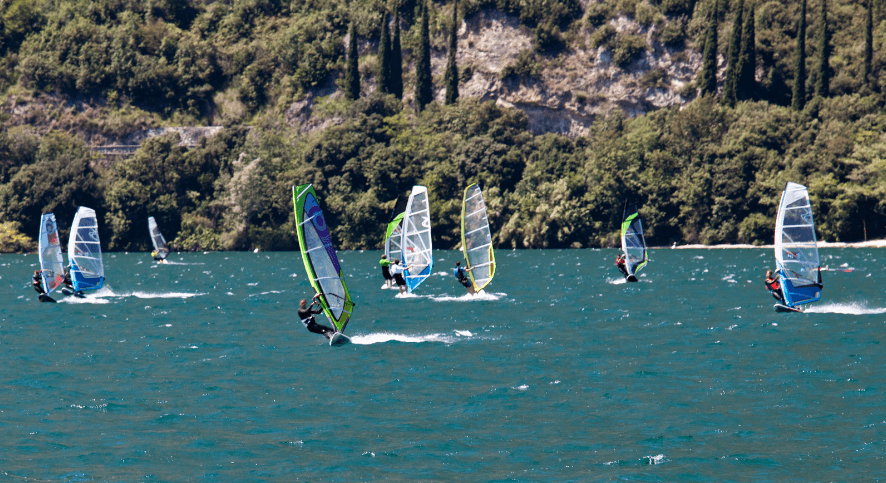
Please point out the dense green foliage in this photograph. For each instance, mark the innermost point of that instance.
(451, 76)
(706, 172)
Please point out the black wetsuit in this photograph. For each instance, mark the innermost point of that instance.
(398, 277)
(38, 284)
(462, 277)
(774, 289)
(307, 318)
(622, 268)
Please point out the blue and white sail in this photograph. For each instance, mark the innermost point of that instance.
(50, 251)
(84, 252)
(416, 244)
(796, 250)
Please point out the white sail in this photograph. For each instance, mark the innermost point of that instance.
(50, 252)
(84, 251)
(796, 249)
(416, 244)
(476, 238)
(157, 238)
(633, 244)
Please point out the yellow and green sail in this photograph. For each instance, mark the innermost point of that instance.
(321, 262)
(476, 238)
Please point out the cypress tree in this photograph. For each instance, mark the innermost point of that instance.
(798, 98)
(396, 58)
(823, 71)
(868, 43)
(729, 91)
(352, 72)
(707, 81)
(451, 66)
(747, 59)
(384, 57)
(424, 93)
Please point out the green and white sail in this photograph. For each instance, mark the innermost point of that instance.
(321, 262)
(50, 251)
(476, 238)
(632, 242)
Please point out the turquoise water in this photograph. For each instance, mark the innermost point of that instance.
(199, 370)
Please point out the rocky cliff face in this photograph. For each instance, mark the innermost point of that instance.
(575, 86)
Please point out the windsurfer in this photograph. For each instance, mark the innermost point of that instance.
(397, 271)
(773, 286)
(38, 282)
(306, 314)
(386, 270)
(461, 274)
(620, 263)
(68, 283)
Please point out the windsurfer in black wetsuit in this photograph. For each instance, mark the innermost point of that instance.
(461, 274)
(306, 314)
(38, 282)
(774, 287)
(620, 263)
(68, 282)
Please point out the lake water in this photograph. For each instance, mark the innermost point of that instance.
(200, 370)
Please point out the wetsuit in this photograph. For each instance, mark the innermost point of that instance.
(620, 263)
(397, 272)
(38, 284)
(774, 288)
(462, 276)
(386, 268)
(68, 283)
(307, 317)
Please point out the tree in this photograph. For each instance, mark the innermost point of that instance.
(798, 97)
(868, 43)
(707, 81)
(424, 93)
(747, 59)
(451, 66)
(729, 94)
(823, 70)
(384, 57)
(352, 71)
(396, 58)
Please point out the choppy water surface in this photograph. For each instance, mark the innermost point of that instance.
(200, 370)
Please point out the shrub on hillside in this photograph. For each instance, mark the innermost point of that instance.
(627, 49)
(524, 66)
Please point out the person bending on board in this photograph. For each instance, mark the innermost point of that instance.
(620, 263)
(397, 271)
(38, 282)
(774, 287)
(461, 274)
(386, 271)
(306, 314)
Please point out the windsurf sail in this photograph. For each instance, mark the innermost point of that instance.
(633, 244)
(416, 244)
(394, 232)
(321, 262)
(157, 239)
(84, 252)
(50, 249)
(476, 238)
(796, 250)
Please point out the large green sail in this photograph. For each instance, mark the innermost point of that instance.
(476, 238)
(632, 242)
(321, 261)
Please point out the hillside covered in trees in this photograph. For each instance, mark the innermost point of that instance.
(783, 91)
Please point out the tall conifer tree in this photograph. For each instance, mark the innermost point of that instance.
(384, 57)
(424, 92)
(451, 66)
(352, 71)
(868, 43)
(798, 97)
(823, 70)
(396, 57)
(729, 92)
(746, 83)
(707, 81)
